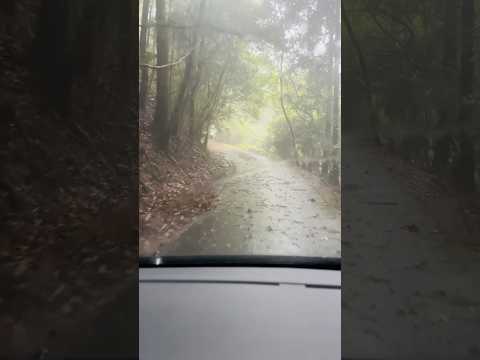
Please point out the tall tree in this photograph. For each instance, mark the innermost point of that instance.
(465, 167)
(143, 50)
(187, 88)
(467, 73)
(160, 123)
(364, 71)
(285, 113)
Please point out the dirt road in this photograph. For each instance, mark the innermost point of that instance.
(265, 207)
(408, 279)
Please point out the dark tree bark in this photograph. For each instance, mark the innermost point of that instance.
(187, 88)
(160, 124)
(51, 58)
(464, 169)
(285, 114)
(450, 34)
(450, 61)
(216, 95)
(365, 73)
(143, 49)
(176, 119)
(7, 7)
(329, 86)
(467, 73)
(192, 115)
(336, 105)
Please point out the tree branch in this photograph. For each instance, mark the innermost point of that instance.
(178, 61)
(285, 114)
(210, 27)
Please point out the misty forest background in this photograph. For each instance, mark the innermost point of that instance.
(207, 66)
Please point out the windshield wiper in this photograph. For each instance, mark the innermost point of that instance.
(305, 262)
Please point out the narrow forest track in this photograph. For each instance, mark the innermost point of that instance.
(265, 207)
(408, 267)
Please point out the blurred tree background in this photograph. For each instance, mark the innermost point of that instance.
(412, 66)
(69, 165)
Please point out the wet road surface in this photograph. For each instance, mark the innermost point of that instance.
(265, 207)
(407, 292)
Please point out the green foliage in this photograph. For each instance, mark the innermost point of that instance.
(234, 73)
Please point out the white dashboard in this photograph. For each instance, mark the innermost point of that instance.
(239, 313)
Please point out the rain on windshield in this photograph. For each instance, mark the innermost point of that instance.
(240, 127)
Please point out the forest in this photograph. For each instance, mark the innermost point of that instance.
(412, 66)
(260, 75)
(208, 66)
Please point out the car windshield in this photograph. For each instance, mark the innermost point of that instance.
(239, 130)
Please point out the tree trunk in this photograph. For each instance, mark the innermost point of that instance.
(365, 74)
(207, 132)
(177, 118)
(335, 108)
(160, 123)
(52, 57)
(329, 87)
(465, 165)
(450, 34)
(467, 73)
(285, 114)
(208, 115)
(193, 91)
(143, 50)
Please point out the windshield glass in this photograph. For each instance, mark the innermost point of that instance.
(240, 128)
